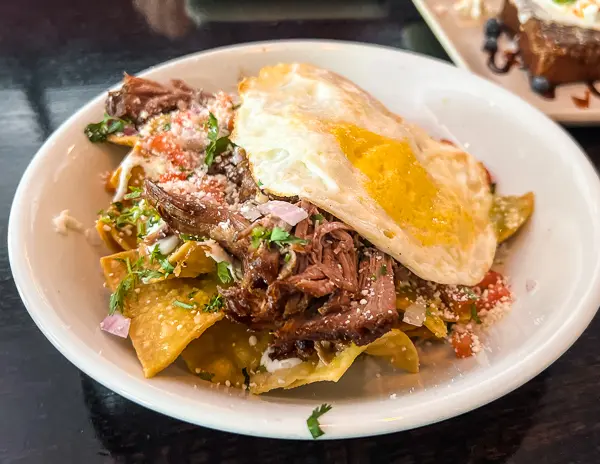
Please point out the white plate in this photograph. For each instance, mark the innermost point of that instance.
(462, 38)
(60, 282)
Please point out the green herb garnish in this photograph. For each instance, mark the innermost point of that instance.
(474, 314)
(217, 145)
(278, 236)
(192, 294)
(261, 368)
(313, 421)
(287, 257)
(136, 192)
(216, 303)
(317, 217)
(183, 305)
(223, 272)
(383, 271)
(257, 235)
(135, 272)
(99, 131)
(163, 260)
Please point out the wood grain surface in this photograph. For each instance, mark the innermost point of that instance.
(56, 55)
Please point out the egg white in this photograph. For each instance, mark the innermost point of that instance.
(284, 124)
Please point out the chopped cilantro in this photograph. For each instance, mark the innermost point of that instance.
(317, 217)
(183, 305)
(99, 131)
(257, 235)
(261, 368)
(246, 377)
(136, 192)
(158, 257)
(217, 144)
(474, 314)
(167, 127)
(223, 272)
(260, 184)
(208, 376)
(313, 421)
(383, 270)
(192, 294)
(281, 237)
(287, 257)
(278, 236)
(135, 272)
(215, 304)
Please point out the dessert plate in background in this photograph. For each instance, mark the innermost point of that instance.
(462, 38)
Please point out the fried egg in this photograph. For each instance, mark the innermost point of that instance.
(313, 134)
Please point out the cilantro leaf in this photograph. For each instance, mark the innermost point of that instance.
(117, 298)
(136, 192)
(148, 275)
(281, 237)
(474, 314)
(223, 272)
(215, 304)
(313, 420)
(257, 235)
(383, 270)
(217, 144)
(157, 256)
(317, 217)
(183, 305)
(99, 131)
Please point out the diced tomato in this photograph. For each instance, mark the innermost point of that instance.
(463, 344)
(490, 279)
(173, 175)
(493, 289)
(165, 144)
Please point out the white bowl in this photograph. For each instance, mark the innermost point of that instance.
(60, 282)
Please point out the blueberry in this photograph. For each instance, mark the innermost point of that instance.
(540, 84)
(490, 45)
(493, 28)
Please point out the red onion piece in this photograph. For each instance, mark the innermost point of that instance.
(117, 324)
(284, 210)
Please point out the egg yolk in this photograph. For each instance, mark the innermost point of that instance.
(404, 189)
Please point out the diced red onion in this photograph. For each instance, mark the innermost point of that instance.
(250, 212)
(415, 314)
(117, 324)
(286, 211)
(129, 130)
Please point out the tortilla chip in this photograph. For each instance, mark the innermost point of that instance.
(306, 372)
(437, 325)
(160, 329)
(398, 348)
(190, 259)
(124, 140)
(224, 351)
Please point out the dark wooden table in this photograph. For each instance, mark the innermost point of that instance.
(56, 55)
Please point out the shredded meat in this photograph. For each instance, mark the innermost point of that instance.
(322, 292)
(360, 321)
(139, 98)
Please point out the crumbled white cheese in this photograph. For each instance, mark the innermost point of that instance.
(65, 222)
(273, 365)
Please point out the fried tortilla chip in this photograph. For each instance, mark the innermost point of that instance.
(160, 328)
(124, 140)
(190, 259)
(224, 351)
(306, 372)
(398, 348)
(165, 315)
